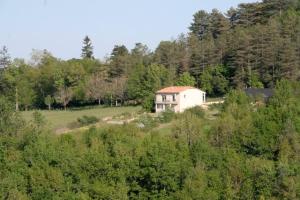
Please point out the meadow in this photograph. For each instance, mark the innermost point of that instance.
(58, 119)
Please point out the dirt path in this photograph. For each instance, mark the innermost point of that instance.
(104, 121)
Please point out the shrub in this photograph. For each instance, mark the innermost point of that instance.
(38, 119)
(198, 111)
(87, 120)
(124, 115)
(167, 116)
(10, 121)
(148, 103)
(73, 125)
(148, 122)
(218, 107)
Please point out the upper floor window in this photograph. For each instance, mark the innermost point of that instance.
(174, 97)
(164, 98)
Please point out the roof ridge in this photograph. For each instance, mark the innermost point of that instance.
(175, 89)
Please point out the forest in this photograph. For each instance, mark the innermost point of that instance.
(253, 45)
(249, 150)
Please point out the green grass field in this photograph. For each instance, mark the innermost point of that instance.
(212, 99)
(60, 119)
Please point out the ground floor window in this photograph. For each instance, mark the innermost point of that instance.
(159, 106)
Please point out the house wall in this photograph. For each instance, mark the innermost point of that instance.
(191, 98)
(169, 97)
(184, 100)
(168, 103)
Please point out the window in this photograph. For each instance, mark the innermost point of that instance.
(164, 98)
(159, 106)
(174, 97)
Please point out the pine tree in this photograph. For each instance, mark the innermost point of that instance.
(241, 58)
(274, 7)
(183, 54)
(247, 14)
(218, 23)
(200, 25)
(119, 62)
(287, 60)
(87, 49)
(140, 54)
(166, 54)
(270, 42)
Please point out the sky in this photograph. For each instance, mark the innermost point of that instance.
(60, 25)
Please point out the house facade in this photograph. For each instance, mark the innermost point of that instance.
(178, 98)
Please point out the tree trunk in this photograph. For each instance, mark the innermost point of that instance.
(49, 107)
(17, 100)
(99, 101)
(116, 102)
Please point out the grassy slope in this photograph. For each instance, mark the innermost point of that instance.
(60, 119)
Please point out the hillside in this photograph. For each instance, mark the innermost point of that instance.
(243, 149)
(247, 151)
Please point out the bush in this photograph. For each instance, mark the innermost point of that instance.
(87, 120)
(73, 125)
(124, 115)
(218, 107)
(148, 103)
(167, 116)
(10, 121)
(148, 122)
(198, 111)
(38, 119)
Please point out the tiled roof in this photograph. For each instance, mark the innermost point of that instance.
(175, 89)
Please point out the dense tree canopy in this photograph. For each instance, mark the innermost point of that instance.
(249, 151)
(253, 45)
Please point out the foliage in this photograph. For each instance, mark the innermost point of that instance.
(87, 120)
(253, 45)
(39, 119)
(87, 49)
(249, 152)
(186, 80)
(197, 111)
(49, 101)
(148, 103)
(97, 86)
(147, 122)
(167, 116)
(10, 121)
(4, 57)
(144, 82)
(214, 82)
(64, 96)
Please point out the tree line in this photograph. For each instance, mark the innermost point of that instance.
(253, 45)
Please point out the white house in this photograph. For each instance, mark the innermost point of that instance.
(179, 98)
